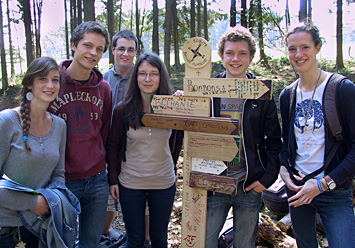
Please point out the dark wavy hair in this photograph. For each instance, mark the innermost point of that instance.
(38, 68)
(133, 103)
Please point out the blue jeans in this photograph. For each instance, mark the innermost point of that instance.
(245, 217)
(336, 211)
(92, 193)
(8, 238)
(133, 204)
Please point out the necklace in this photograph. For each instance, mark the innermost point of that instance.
(310, 105)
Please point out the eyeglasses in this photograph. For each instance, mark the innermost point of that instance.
(128, 50)
(152, 75)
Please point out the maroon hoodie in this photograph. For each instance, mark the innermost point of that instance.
(86, 109)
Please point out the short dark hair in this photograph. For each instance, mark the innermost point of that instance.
(307, 27)
(133, 100)
(235, 34)
(89, 27)
(124, 34)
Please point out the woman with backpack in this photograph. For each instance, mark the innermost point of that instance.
(317, 166)
(141, 160)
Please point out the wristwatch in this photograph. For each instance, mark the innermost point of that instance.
(330, 183)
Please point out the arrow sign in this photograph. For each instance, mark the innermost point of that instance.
(180, 105)
(213, 146)
(217, 125)
(208, 166)
(228, 88)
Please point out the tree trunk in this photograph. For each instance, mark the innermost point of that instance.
(66, 30)
(252, 16)
(192, 16)
(110, 23)
(233, 13)
(120, 18)
(205, 19)
(80, 12)
(10, 40)
(176, 35)
(89, 10)
(4, 79)
(263, 58)
(244, 19)
(339, 58)
(35, 27)
(309, 10)
(155, 37)
(132, 19)
(302, 14)
(268, 231)
(37, 5)
(168, 27)
(73, 19)
(287, 15)
(28, 31)
(137, 29)
(199, 18)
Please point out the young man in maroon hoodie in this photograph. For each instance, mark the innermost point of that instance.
(85, 103)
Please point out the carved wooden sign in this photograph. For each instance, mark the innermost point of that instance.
(180, 105)
(191, 123)
(228, 88)
(215, 147)
(221, 184)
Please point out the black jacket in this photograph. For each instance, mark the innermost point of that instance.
(261, 138)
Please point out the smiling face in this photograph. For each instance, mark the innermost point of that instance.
(148, 78)
(89, 51)
(46, 88)
(236, 58)
(124, 54)
(302, 51)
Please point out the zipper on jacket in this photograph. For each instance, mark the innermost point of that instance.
(245, 152)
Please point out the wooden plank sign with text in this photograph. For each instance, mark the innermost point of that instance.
(228, 88)
(213, 146)
(180, 105)
(191, 123)
(221, 184)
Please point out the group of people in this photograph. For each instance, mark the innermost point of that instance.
(80, 128)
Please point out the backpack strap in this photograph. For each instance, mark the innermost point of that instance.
(330, 113)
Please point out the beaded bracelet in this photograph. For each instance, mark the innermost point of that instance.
(25, 138)
(320, 186)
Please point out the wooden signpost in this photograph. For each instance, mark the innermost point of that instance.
(178, 105)
(208, 141)
(191, 123)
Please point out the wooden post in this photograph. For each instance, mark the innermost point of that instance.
(197, 55)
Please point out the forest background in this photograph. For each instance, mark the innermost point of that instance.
(34, 28)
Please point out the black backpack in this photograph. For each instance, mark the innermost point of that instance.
(330, 113)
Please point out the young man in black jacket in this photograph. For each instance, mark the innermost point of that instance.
(260, 145)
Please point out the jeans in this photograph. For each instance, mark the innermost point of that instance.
(9, 239)
(133, 204)
(245, 217)
(92, 193)
(336, 211)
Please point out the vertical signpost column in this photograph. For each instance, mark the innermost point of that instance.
(197, 56)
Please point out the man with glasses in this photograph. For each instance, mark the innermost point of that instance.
(124, 50)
